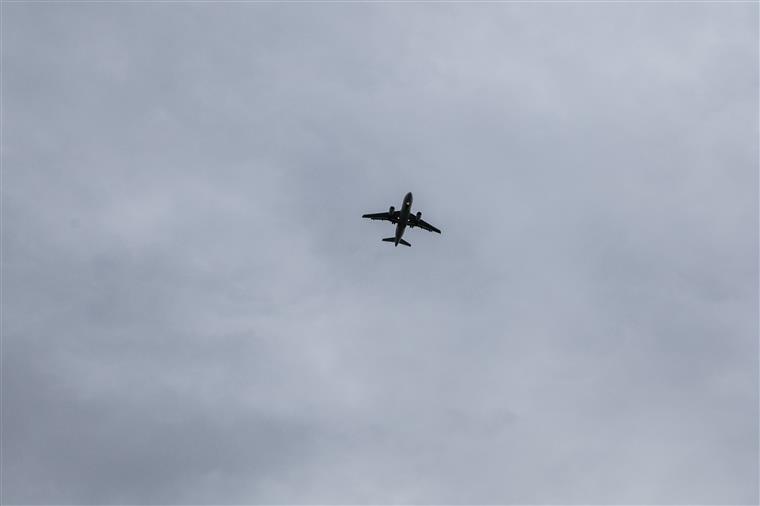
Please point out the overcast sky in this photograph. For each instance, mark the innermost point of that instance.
(195, 312)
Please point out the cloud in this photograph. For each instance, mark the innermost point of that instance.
(193, 311)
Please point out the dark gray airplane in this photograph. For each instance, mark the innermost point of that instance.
(402, 218)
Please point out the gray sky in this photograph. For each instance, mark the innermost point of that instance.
(194, 311)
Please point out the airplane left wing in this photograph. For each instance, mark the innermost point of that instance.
(393, 218)
(419, 222)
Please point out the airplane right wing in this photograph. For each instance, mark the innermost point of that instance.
(424, 225)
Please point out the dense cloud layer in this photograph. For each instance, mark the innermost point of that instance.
(193, 311)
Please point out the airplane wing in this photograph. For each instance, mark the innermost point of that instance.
(393, 218)
(419, 222)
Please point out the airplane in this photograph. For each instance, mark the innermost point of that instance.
(401, 219)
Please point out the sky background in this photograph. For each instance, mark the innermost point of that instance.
(193, 310)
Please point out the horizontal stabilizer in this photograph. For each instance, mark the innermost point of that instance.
(393, 239)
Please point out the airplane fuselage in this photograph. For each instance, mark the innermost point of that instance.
(406, 208)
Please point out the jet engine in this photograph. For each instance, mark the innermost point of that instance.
(419, 215)
(390, 211)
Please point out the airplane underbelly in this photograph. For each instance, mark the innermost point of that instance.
(401, 224)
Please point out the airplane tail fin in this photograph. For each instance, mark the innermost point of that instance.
(393, 239)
